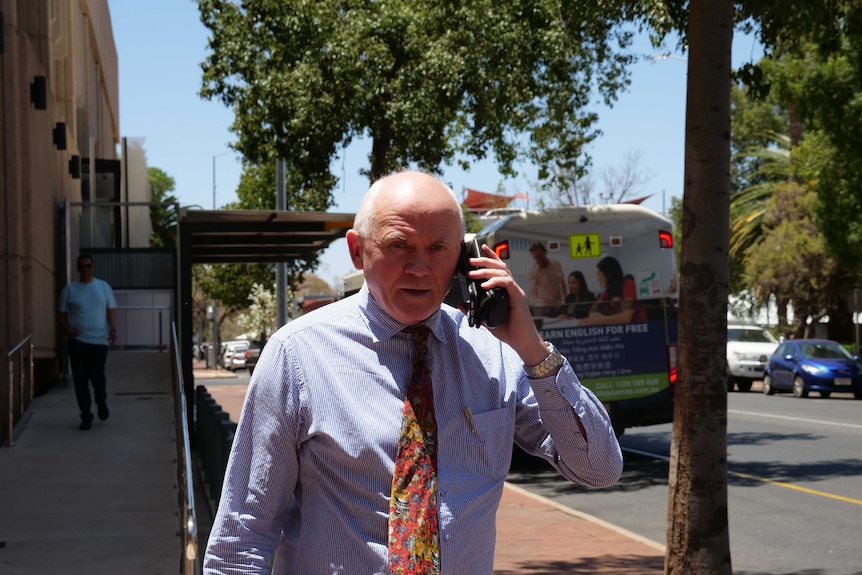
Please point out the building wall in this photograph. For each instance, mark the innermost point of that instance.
(70, 43)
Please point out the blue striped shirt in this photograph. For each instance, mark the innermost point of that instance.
(308, 480)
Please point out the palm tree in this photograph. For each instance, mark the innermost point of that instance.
(748, 206)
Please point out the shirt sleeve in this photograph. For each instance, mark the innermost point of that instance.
(63, 307)
(109, 295)
(262, 470)
(549, 428)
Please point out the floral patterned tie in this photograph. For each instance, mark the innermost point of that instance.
(413, 532)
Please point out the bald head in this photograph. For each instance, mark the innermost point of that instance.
(407, 238)
(410, 189)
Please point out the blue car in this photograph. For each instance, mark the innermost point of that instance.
(804, 365)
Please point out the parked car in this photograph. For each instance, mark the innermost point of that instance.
(252, 354)
(748, 350)
(804, 365)
(231, 357)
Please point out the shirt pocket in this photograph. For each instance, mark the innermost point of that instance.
(489, 440)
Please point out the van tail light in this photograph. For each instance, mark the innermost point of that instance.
(245, 353)
(671, 362)
(502, 250)
(665, 239)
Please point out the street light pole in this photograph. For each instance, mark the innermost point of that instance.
(214, 350)
(214, 175)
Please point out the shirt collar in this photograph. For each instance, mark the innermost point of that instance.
(383, 326)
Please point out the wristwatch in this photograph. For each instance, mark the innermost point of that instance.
(547, 365)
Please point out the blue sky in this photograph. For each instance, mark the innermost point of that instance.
(161, 44)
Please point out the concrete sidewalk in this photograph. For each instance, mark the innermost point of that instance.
(105, 501)
(102, 501)
(536, 536)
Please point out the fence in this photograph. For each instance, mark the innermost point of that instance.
(190, 563)
(24, 391)
(214, 432)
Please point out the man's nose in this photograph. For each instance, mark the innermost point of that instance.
(419, 264)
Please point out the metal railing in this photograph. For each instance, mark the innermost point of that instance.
(190, 563)
(19, 350)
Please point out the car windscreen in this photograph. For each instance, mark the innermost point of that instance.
(750, 335)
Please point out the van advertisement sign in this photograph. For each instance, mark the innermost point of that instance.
(616, 361)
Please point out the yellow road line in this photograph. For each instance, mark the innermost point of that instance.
(762, 479)
(797, 488)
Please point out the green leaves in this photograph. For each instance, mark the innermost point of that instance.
(428, 81)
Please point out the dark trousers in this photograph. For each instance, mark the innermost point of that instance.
(88, 366)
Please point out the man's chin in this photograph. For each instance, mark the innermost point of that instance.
(415, 307)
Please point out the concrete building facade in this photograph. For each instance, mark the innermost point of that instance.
(59, 113)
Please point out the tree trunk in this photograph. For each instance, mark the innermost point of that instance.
(380, 145)
(698, 541)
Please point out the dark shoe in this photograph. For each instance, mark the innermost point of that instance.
(86, 424)
(103, 411)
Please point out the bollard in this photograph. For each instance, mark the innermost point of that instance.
(206, 408)
(222, 419)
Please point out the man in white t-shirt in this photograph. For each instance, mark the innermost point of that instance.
(86, 314)
(548, 288)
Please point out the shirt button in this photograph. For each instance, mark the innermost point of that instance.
(447, 537)
(548, 393)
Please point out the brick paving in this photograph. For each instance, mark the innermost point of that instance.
(536, 536)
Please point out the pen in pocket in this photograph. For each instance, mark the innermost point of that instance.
(469, 415)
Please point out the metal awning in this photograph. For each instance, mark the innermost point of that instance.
(247, 236)
(244, 236)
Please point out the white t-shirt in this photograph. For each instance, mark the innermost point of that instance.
(86, 306)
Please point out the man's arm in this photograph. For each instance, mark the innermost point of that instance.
(63, 318)
(585, 447)
(262, 472)
(567, 424)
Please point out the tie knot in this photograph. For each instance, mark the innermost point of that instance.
(420, 334)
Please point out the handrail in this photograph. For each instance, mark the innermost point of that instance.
(185, 477)
(10, 441)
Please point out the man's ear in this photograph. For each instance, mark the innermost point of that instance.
(354, 246)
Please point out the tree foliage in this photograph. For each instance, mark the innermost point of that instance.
(163, 218)
(307, 78)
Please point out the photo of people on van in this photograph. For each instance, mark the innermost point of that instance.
(547, 289)
(617, 303)
(579, 301)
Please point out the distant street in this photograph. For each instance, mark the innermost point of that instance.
(795, 485)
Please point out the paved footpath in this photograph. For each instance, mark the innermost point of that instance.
(536, 536)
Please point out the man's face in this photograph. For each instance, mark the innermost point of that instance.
(85, 269)
(410, 258)
(540, 257)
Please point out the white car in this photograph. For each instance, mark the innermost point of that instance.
(748, 351)
(232, 356)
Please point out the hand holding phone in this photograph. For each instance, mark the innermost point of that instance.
(488, 307)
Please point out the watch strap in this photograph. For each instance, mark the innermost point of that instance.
(547, 366)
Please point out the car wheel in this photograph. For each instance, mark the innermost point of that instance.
(799, 387)
(767, 386)
(743, 386)
(825, 394)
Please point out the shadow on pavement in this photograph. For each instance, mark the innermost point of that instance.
(618, 564)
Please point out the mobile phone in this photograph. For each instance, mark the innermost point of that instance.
(489, 307)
